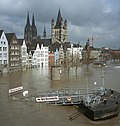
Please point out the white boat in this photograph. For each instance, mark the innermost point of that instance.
(47, 99)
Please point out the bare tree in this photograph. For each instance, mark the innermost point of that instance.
(76, 61)
(69, 61)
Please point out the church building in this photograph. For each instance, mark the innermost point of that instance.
(59, 30)
(30, 31)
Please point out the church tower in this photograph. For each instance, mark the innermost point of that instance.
(34, 29)
(44, 32)
(59, 31)
(27, 31)
(30, 31)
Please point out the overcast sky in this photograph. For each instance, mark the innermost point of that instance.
(86, 18)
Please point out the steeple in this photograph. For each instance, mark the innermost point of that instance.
(44, 32)
(34, 29)
(27, 30)
(33, 21)
(28, 20)
(59, 19)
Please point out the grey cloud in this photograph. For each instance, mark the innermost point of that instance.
(85, 18)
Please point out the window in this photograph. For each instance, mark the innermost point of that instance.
(42, 55)
(5, 61)
(4, 48)
(0, 48)
(5, 55)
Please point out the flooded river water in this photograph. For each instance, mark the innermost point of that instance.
(17, 112)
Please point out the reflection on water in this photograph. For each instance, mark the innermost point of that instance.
(21, 113)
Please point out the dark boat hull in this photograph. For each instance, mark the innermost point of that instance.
(103, 110)
(98, 114)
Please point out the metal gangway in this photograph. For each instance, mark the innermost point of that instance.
(65, 96)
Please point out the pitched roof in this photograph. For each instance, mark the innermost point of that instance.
(45, 42)
(10, 36)
(1, 31)
(59, 19)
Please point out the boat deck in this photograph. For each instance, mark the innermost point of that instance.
(66, 96)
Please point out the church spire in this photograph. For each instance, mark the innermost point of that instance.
(33, 21)
(59, 19)
(34, 29)
(28, 20)
(44, 32)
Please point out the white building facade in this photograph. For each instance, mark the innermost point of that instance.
(3, 49)
(24, 54)
(75, 51)
(40, 56)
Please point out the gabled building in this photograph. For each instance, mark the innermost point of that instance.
(44, 55)
(14, 51)
(75, 50)
(59, 30)
(24, 55)
(3, 48)
(40, 56)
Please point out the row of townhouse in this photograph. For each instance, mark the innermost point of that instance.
(9, 51)
(43, 56)
(15, 55)
(34, 58)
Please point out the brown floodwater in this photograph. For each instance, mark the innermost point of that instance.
(15, 111)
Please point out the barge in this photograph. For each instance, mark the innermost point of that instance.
(101, 106)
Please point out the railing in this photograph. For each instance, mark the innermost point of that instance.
(67, 96)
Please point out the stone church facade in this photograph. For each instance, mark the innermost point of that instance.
(30, 31)
(59, 30)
